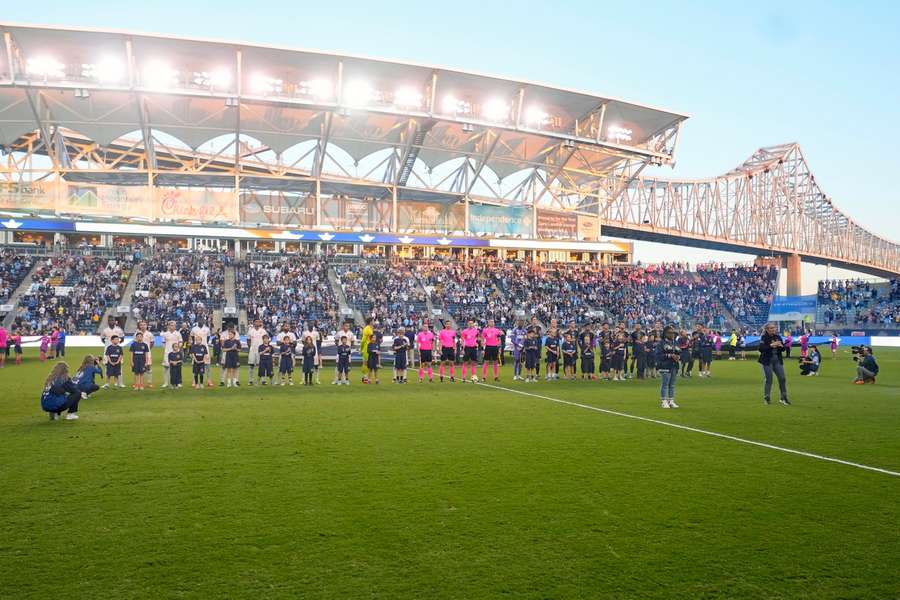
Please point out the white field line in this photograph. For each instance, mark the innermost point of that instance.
(697, 430)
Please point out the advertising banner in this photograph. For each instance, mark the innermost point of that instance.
(278, 209)
(554, 224)
(196, 205)
(792, 308)
(106, 200)
(29, 197)
(588, 228)
(431, 216)
(341, 212)
(501, 220)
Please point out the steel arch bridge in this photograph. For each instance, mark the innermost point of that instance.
(771, 204)
(153, 113)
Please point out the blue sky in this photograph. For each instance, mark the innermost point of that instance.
(824, 74)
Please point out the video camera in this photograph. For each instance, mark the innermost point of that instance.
(857, 350)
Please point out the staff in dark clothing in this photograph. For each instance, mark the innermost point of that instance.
(61, 394)
(771, 347)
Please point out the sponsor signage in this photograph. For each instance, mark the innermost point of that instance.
(278, 209)
(792, 308)
(554, 224)
(500, 220)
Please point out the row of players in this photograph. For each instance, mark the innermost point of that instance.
(573, 350)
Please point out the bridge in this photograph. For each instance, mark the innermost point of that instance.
(771, 204)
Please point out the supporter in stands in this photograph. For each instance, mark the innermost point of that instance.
(184, 287)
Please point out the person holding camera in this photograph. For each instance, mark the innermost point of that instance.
(771, 347)
(809, 364)
(84, 376)
(866, 367)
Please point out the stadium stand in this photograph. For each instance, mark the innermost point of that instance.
(181, 287)
(854, 302)
(289, 289)
(74, 291)
(387, 290)
(13, 269)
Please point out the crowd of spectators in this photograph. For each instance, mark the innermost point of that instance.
(746, 291)
(854, 302)
(73, 291)
(180, 287)
(291, 289)
(13, 269)
(388, 291)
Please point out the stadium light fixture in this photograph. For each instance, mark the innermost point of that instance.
(618, 134)
(106, 70)
(263, 84)
(220, 79)
(536, 116)
(408, 97)
(358, 93)
(159, 75)
(495, 110)
(45, 66)
(320, 88)
(451, 105)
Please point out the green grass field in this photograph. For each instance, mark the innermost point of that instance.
(463, 491)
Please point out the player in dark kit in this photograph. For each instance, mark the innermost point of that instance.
(570, 355)
(265, 369)
(199, 359)
(401, 348)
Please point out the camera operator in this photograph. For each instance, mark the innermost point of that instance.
(866, 368)
(770, 348)
(809, 364)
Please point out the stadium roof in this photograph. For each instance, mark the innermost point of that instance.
(107, 84)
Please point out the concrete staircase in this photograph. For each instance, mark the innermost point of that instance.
(18, 293)
(230, 295)
(125, 300)
(342, 297)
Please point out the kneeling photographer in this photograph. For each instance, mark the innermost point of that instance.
(84, 376)
(809, 364)
(867, 367)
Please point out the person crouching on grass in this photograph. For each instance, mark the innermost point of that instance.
(200, 360)
(61, 394)
(84, 376)
(114, 355)
(139, 351)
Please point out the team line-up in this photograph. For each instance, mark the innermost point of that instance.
(661, 352)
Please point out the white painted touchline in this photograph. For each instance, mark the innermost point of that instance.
(696, 430)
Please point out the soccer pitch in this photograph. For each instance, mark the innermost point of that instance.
(454, 491)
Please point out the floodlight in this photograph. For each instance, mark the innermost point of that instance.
(357, 93)
(618, 134)
(220, 79)
(320, 88)
(263, 84)
(106, 70)
(159, 75)
(408, 97)
(45, 66)
(495, 110)
(450, 104)
(535, 115)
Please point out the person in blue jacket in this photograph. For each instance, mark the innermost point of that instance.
(61, 394)
(84, 376)
(668, 355)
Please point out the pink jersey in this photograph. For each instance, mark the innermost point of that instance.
(3, 337)
(45, 343)
(425, 340)
(469, 337)
(491, 336)
(447, 337)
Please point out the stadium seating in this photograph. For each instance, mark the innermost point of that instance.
(388, 290)
(13, 269)
(179, 286)
(73, 290)
(858, 303)
(294, 289)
